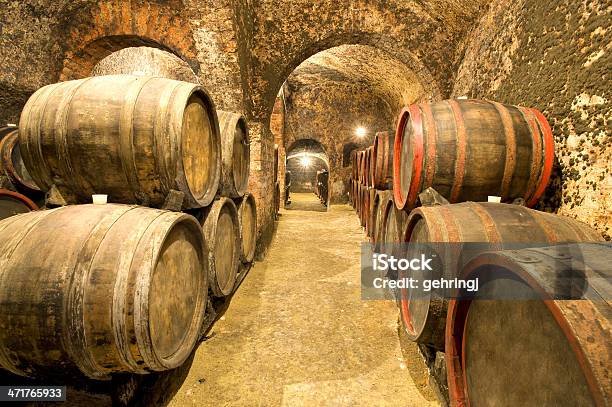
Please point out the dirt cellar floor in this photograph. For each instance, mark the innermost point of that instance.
(297, 332)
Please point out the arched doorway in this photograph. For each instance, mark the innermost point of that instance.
(307, 175)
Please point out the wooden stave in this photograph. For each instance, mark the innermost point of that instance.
(549, 227)
(130, 347)
(378, 214)
(383, 153)
(230, 183)
(427, 165)
(147, 169)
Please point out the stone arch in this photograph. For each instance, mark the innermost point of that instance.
(303, 178)
(114, 25)
(281, 73)
(311, 146)
(150, 61)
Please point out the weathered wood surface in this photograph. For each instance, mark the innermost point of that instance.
(497, 224)
(119, 289)
(222, 233)
(132, 138)
(470, 149)
(235, 154)
(382, 174)
(379, 209)
(543, 351)
(247, 219)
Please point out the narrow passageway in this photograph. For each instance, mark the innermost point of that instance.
(297, 332)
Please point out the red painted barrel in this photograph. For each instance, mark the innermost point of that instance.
(424, 318)
(354, 164)
(382, 174)
(470, 149)
(536, 351)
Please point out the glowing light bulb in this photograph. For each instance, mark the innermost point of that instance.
(360, 132)
(305, 161)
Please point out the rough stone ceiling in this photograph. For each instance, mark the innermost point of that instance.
(365, 66)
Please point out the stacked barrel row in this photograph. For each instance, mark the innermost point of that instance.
(429, 182)
(100, 289)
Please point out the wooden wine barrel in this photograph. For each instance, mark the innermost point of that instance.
(6, 130)
(393, 223)
(363, 166)
(132, 138)
(369, 165)
(372, 166)
(235, 154)
(502, 224)
(381, 200)
(119, 289)
(222, 232)
(360, 158)
(382, 173)
(13, 203)
(365, 205)
(375, 203)
(354, 164)
(470, 149)
(247, 219)
(358, 199)
(371, 198)
(543, 350)
(13, 166)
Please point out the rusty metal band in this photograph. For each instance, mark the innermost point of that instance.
(398, 198)
(551, 236)
(461, 151)
(549, 156)
(19, 197)
(536, 153)
(490, 228)
(417, 163)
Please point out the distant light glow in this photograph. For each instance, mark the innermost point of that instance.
(305, 161)
(360, 132)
